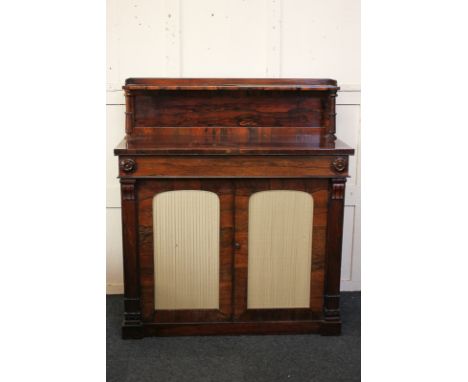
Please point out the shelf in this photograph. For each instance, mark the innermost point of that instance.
(232, 141)
(264, 84)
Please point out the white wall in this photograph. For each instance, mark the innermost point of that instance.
(235, 38)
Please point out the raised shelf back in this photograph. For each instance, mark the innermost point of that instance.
(249, 104)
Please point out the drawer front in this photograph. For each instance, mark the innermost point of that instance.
(232, 166)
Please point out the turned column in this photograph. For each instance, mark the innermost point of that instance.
(330, 118)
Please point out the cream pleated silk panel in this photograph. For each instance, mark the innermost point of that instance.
(280, 249)
(186, 228)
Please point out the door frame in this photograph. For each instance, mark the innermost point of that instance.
(244, 189)
(147, 190)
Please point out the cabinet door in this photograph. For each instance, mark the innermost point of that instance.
(280, 234)
(185, 247)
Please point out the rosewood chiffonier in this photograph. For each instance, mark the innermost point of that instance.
(232, 206)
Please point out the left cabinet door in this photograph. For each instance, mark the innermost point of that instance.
(185, 236)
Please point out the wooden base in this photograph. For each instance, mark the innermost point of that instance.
(230, 328)
(330, 328)
(132, 331)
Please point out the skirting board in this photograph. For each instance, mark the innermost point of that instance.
(114, 289)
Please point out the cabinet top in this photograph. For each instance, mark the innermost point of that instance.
(272, 84)
(233, 141)
(235, 116)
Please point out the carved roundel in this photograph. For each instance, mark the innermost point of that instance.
(339, 164)
(128, 165)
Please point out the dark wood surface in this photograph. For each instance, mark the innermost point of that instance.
(317, 188)
(132, 316)
(147, 190)
(200, 166)
(231, 328)
(265, 84)
(200, 108)
(243, 103)
(233, 137)
(232, 141)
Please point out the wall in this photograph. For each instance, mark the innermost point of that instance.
(237, 38)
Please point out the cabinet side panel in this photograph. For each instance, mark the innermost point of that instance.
(279, 247)
(186, 250)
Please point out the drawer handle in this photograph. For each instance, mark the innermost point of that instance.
(128, 165)
(236, 245)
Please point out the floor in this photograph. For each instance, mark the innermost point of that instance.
(236, 359)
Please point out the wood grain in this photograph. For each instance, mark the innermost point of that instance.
(188, 272)
(147, 190)
(318, 190)
(231, 140)
(200, 108)
(200, 103)
(132, 315)
(233, 166)
(266, 84)
(334, 243)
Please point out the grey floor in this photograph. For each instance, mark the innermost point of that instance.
(236, 359)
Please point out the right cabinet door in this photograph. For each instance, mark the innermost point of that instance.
(280, 235)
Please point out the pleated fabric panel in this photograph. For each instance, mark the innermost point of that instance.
(186, 249)
(279, 249)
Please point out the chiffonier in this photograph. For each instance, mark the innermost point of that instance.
(232, 206)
